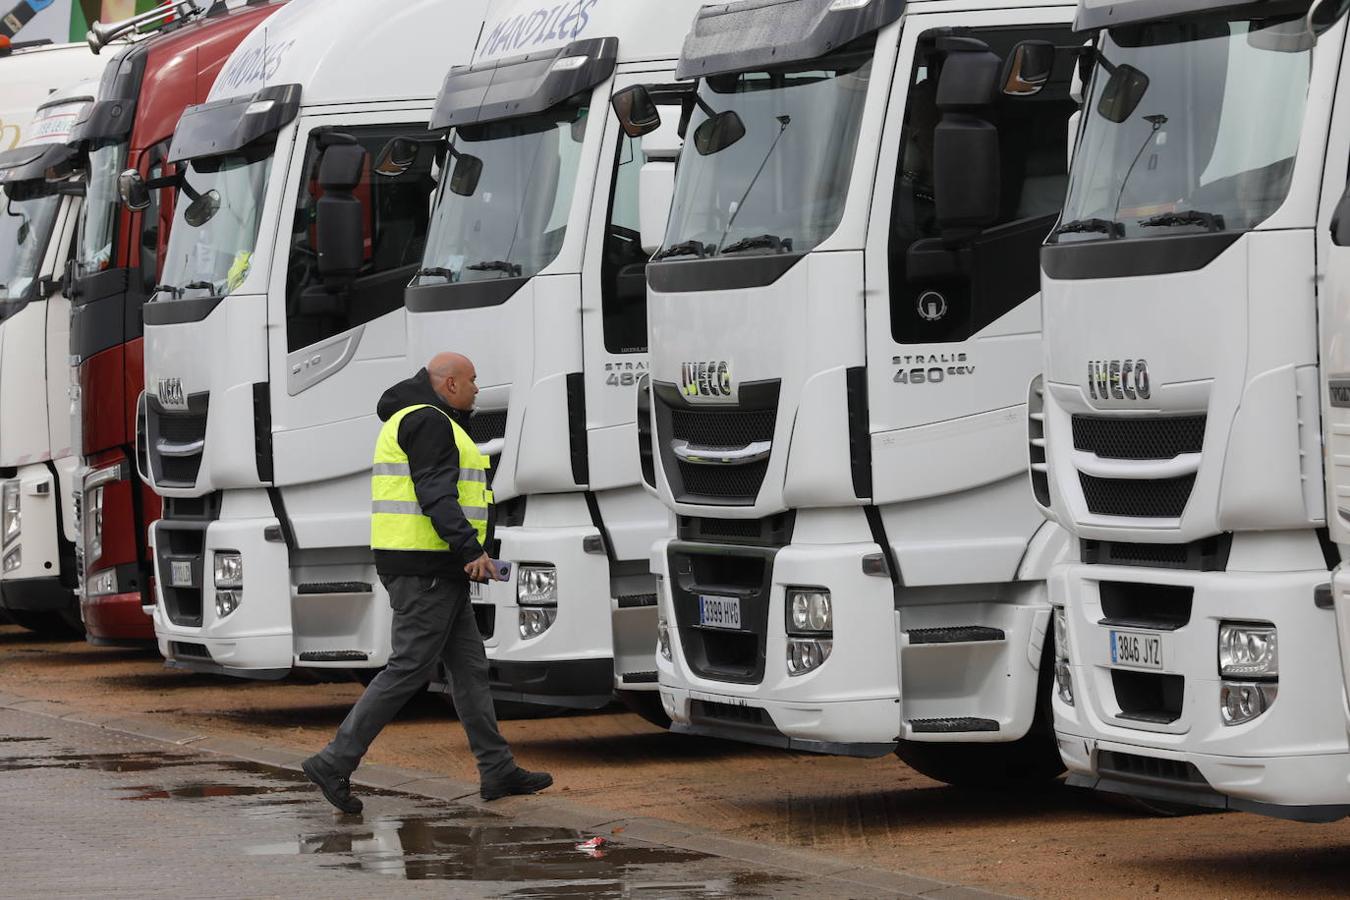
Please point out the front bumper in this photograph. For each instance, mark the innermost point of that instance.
(37, 595)
(1292, 761)
(117, 619)
(40, 549)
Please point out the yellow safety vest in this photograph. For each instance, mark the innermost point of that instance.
(397, 521)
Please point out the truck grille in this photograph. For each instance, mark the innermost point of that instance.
(1118, 437)
(168, 432)
(722, 428)
(182, 603)
(716, 427)
(487, 426)
(1162, 498)
(723, 654)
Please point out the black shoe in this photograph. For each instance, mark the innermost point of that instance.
(518, 782)
(337, 789)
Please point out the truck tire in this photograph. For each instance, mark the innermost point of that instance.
(646, 704)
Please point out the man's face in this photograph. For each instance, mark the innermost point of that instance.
(461, 390)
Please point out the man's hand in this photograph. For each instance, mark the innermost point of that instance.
(481, 569)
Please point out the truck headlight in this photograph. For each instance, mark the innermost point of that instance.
(101, 584)
(229, 566)
(1248, 650)
(535, 620)
(806, 655)
(537, 586)
(1242, 701)
(94, 528)
(663, 639)
(11, 522)
(809, 610)
(13, 559)
(227, 602)
(1061, 633)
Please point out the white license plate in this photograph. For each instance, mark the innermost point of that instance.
(180, 572)
(719, 612)
(1136, 650)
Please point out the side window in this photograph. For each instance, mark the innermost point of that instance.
(1003, 268)
(394, 214)
(623, 274)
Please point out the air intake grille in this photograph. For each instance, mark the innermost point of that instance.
(1162, 498)
(1117, 437)
(1110, 762)
(722, 428)
(487, 426)
(738, 483)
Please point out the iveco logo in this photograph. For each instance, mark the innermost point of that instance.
(1117, 379)
(708, 382)
(170, 391)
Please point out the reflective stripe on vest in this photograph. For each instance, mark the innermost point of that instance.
(396, 518)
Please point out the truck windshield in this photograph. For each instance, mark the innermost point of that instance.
(782, 186)
(25, 228)
(512, 222)
(215, 225)
(1211, 141)
(101, 207)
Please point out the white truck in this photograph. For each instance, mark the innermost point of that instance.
(843, 317)
(1190, 428)
(278, 325)
(535, 267)
(38, 220)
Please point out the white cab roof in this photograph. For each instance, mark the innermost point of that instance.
(30, 77)
(646, 30)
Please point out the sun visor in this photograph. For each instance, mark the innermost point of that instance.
(523, 85)
(111, 115)
(227, 126)
(1094, 14)
(757, 34)
(24, 169)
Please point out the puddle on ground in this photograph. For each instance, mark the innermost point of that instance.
(145, 761)
(21, 740)
(203, 790)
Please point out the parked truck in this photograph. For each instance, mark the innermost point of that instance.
(118, 262)
(841, 318)
(535, 267)
(277, 324)
(1190, 426)
(38, 461)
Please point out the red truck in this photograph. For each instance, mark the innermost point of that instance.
(117, 265)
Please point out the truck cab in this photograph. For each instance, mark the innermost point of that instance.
(277, 324)
(1188, 430)
(118, 260)
(38, 462)
(534, 268)
(841, 315)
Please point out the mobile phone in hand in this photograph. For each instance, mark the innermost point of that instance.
(501, 570)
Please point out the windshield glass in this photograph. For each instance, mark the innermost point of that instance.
(1210, 144)
(101, 207)
(781, 187)
(215, 225)
(512, 221)
(25, 228)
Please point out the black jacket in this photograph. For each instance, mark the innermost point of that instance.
(433, 457)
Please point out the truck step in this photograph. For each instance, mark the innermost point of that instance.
(632, 601)
(334, 656)
(639, 678)
(335, 587)
(956, 634)
(952, 725)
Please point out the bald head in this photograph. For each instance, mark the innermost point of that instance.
(454, 379)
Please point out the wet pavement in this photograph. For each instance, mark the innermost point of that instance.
(89, 812)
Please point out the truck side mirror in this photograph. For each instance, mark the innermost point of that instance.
(132, 190)
(339, 216)
(466, 175)
(966, 162)
(1324, 14)
(1028, 68)
(1122, 93)
(396, 157)
(637, 113)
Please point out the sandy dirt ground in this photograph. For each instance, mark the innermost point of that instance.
(1054, 842)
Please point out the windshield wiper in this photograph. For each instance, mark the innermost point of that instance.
(437, 272)
(685, 248)
(1206, 220)
(759, 242)
(1085, 226)
(172, 290)
(512, 270)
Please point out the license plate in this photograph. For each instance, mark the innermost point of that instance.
(719, 612)
(180, 572)
(1136, 650)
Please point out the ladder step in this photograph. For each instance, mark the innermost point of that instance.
(952, 725)
(639, 678)
(631, 601)
(957, 634)
(335, 587)
(334, 656)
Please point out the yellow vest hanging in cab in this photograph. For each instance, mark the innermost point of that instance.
(397, 521)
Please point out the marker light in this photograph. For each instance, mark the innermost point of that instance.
(569, 63)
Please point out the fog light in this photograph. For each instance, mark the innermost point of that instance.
(229, 565)
(1064, 681)
(537, 586)
(1061, 634)
(1248, 650)
(805, 655)
(809, 610)
(663, 639)
(11, 521)
(535, 620)
(227, 602)
(13, 559)
(1242, 701)
(101, 584)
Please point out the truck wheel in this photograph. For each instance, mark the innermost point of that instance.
(646, 704)
(47, 624)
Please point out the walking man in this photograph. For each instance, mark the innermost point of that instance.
(429, 516)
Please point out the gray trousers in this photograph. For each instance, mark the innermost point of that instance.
(433, 620)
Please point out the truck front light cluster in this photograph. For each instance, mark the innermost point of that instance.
(101, 584)
(537, 586)
(11, 521)
(663, 639)
(93, 513)
(807, 655)
(1249, 663)
(809, 611)
(1063, 675)
(229, 578)
(13, 559)
(535, 620)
